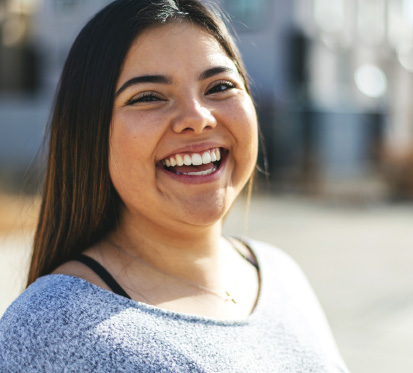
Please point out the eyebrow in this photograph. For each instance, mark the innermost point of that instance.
(215, 71)
(162, 79)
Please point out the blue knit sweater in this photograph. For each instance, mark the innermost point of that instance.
(65, 324)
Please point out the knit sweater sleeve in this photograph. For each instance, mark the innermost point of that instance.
(39, 332)
(298, 305)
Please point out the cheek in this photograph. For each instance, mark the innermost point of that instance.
(131, 149)
(243, 126)
(245, 132)
(248, 151)
(133, 137)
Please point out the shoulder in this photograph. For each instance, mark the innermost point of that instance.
(75, 268)
(53, 313)
(289, 287)
(280, 269)
(48, 300)
(270, 255)
(51, 293)
(43, 297)
(283, 277)
(291, 297)
(55, 299)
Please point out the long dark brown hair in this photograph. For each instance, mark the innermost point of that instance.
(79, 203)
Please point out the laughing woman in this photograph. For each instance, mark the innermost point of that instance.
(153, 136)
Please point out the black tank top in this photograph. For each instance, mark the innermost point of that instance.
(103, 274)
(114, 285)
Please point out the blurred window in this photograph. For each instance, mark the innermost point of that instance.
(400, 18)
(371, 21)
(254, 14)
(329, 15)
(18, 58)
(66, 5)
(400, 31)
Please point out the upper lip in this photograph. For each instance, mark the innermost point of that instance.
(194, 148)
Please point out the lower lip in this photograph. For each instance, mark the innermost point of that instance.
(198, 179)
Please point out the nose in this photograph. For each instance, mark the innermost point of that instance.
(194, 117)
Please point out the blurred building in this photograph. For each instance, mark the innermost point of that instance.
(35, 38)
(359, 77)
(332, 80)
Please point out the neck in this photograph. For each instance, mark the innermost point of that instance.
(192, 252)
(189, 269)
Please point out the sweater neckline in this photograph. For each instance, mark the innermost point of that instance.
(176, 315)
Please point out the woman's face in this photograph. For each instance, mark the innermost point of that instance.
(183, 139)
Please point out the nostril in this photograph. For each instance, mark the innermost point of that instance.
(193, 129)
(188, 129)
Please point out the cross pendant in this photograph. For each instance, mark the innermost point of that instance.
(229, 298)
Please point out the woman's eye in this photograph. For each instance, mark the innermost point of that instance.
(221, 87)
(144, 98)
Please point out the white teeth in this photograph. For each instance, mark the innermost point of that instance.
(196, 159)
(187, 160)
(206, 158)
(179, 160)
(207, 172)
(200, 173)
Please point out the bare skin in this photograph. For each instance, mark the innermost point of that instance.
(170, 219)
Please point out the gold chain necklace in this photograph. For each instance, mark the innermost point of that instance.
(226, 298)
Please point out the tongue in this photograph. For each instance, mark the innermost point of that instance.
(186, 169)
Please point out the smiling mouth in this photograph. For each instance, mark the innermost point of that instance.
(194, 164)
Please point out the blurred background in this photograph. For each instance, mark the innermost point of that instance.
(333, 83)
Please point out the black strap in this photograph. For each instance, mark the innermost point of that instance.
(116, 288)
(102, 273)
(243, 242)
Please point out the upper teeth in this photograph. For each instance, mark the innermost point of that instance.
(194, 159)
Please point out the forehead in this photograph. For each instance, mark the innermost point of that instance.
(172, 47)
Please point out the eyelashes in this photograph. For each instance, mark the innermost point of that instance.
(145, 98)
(220, 86)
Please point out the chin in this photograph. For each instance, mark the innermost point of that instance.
(207, 211)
